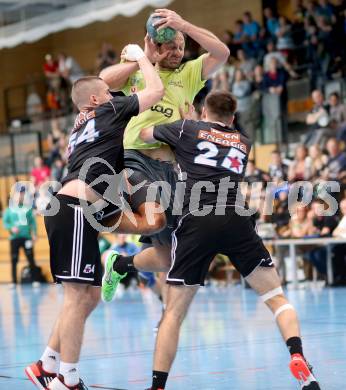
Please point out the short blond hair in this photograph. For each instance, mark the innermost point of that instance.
(83, 88)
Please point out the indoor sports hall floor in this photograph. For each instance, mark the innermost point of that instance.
(228, 341)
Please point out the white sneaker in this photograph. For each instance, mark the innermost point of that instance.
(36, 284)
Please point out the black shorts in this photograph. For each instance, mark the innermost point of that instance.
(146, 169)
(74, 251)
(197, 240)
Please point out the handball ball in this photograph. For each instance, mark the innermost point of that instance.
(160, 36)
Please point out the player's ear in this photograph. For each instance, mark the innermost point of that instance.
(204, 113)
(94, 101)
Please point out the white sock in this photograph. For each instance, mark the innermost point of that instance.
(70, 372)
(50, 360)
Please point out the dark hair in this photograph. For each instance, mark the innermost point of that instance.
(335, 94)
(221, 105)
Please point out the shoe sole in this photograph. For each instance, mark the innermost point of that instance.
(29, 373)
(104, 277)
(302, 373)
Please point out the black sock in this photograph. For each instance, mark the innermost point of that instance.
(124, 264)
(159, 380)
(294, 345)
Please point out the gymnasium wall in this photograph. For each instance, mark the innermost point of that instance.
(18, 64)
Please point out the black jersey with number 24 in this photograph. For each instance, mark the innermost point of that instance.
(99, 133)
(207, 152)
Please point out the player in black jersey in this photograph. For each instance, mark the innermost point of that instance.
(214, 157)
(97, 137)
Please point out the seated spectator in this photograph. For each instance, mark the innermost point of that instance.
(318, 160)
(50, 68)
(239, 37)
(299, 226)
(317, 118)
(258, 78)
(336, 164)
(106, 57)
(301, 167)
(272, 52)
(242, 90)
(254, 175)
(277, 169)
(321, 226)
(245, 64)
(223, 79)
(337, 110)
(271, 22)
(311, 10)
(40, 173)
(281, 215)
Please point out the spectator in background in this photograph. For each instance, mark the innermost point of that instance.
(326, 10)
(320, 226)
(284, 36)
(272, 52)
(20, 222)
(40, 173)
(317, 118)
(239, 35)
(336, 164)
(58, 169)
(277, 169)
(51, 68)
(252, 31)
(106, 57)
(254, 175)
(275, 80)
(271, 23)
(69, 69)
(318, 159)
(245, 64)
(339, 251)
(242, 90)
(223, 79)
(299, 225)
(337, 111)
(301, 167)
(34, 106)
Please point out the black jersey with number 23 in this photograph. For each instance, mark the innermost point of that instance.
(207, 152)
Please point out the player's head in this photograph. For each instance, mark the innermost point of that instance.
(90, 91)
(219, 106)
(175, 52)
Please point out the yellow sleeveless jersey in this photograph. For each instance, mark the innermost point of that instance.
(181, 85)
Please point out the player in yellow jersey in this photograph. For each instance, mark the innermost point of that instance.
(155, 162)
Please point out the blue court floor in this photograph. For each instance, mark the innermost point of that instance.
(229, 340)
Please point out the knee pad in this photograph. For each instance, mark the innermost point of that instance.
(271, 294)
(282, 308)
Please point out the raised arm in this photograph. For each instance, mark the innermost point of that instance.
(218, 52)
(154, 89)
(116, 76)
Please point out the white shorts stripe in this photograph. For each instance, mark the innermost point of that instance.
(76, 256)
(80, 242)
(74, 241)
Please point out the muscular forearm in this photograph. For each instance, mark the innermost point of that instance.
(116, 76)
(207, 40)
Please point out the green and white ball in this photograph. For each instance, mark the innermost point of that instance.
(164, 35)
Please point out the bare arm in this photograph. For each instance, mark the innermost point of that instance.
(218, 52)
(116, 76)
(147, 135)
(154, 89)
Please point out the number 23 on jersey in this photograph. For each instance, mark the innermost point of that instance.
(233, 160)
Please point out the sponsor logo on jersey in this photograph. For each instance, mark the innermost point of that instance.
(178, 84)
(222, 138)
(167, 112)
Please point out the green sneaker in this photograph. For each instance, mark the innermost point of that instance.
(111, 278)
